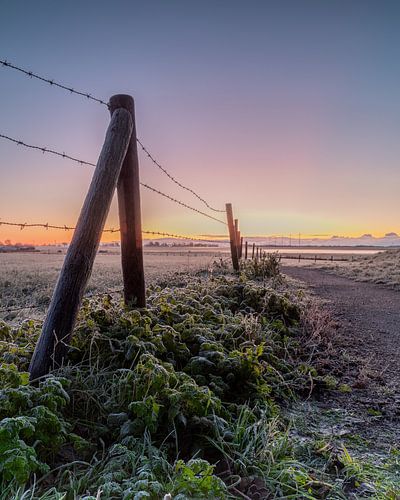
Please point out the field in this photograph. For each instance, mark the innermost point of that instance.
(381, 268)
(28, 279)
(205, 394)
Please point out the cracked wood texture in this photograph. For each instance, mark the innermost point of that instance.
(130, 220)
(52, 345)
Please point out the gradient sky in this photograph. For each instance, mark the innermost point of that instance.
(289, 109)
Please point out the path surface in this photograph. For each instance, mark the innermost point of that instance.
(368, 339)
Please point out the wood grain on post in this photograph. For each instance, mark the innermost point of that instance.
(52, 345)
(232, 236)
(130, 213)
(238, 245)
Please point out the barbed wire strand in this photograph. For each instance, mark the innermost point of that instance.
(23, 225)
(173, 179)
(51, 82)
(82, 162)
(46, 150)
(181, 203)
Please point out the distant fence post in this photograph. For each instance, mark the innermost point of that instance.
(253, 251)
(241, 245)
(130, 214)
(246, 250)
(232, 236)
(52, 345)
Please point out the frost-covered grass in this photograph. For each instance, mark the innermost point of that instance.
(186, 399)
(28, 279)
(381, 268)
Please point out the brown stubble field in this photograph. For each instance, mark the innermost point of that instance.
(27, 280)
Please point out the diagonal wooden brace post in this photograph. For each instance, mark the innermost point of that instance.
(53, 342)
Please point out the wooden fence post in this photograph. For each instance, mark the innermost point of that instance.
(253, 251)
(241, 245)
(232, 236)
(237, 237)
(52, 345)
(246, 250)
(130, 214)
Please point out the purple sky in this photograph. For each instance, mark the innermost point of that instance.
(287, 109)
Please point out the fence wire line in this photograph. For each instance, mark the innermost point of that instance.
(82, 162)
(30, 74)
(157, 164)
(46, 150)
(7, 64)
(181, 203)
(23, 225)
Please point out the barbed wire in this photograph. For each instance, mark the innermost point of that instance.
(82, 162)
(46, 150)
(181, 237)
(181, 203)
(51, 82)
(173, 179)
(23, 225)
(30, 74)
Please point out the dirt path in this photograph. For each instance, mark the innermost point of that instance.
(367, 342)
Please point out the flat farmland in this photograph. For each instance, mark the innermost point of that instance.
(27, 280)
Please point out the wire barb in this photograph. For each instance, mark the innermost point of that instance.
(47, 226)
(46, 150)
(89, 96)
(51, 82)
(82, 162)
(151, 157)
(181, 203)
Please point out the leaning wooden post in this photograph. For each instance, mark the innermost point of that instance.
(232, 236)
(130, 214)
(53, 342)
(246, 250)
(253, 251)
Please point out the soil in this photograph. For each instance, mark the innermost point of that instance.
(363, 356)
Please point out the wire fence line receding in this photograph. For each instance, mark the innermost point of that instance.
(46, 150)
(173, 179)
(181, 203)
(89, 96)
(83, 162)
(51, 82)
(23, 225)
